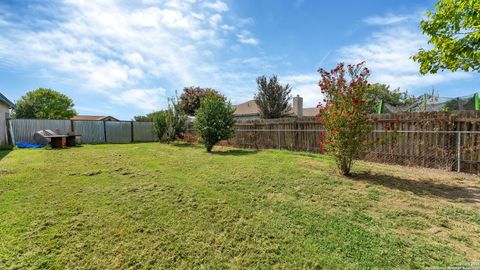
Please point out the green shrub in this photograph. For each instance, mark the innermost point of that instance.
(214, 120)
(169, 124)
(160, 124)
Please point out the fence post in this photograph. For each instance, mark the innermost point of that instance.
(131, 131)
(459, 149)
(295, 141)
(255, 134)
(425, 102)
(105, 131)
(380, 107)
(278, 139)
(10, 137)
(477, 105)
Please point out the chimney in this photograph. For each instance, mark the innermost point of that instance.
(298, 106)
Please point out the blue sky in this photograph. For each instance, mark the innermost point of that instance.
(125, 58)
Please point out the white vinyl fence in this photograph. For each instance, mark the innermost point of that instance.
(92, 132)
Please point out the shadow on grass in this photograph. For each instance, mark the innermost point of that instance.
(234, 152)
(422, 187)
(4, 153)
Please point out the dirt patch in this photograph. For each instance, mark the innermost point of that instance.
(4, 172)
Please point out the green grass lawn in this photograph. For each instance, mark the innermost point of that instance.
(150, 205)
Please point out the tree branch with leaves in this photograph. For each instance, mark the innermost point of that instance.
(454, 32)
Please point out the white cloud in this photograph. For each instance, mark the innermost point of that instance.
(302, 78)
(386, 20)
(387, 53)
(306, 86)
(245, 37)
(215, 19)
(147, 99)
(217, 6)
(108, 46)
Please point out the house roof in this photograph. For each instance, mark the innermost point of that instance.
(310, 111)
(247, 108)
(5, 100)
(251, 108)
(93, 117)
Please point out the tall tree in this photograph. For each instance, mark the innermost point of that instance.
(189, 101)
(454, 31)
(272, 97)
(44, 103)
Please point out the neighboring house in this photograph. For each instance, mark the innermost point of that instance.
(247, 111)
(5, 107)
(94, 118)
(250, 111)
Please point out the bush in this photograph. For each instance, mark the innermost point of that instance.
(344, 115)
(214, 120)
(169, 124)
(160, 124)
(191, 96)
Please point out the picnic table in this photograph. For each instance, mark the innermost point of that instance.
(56, 139)
(72, 138)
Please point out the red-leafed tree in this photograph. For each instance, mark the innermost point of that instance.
(345, 113)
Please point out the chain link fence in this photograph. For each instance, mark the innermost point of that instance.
(447, 150)
(434, 103)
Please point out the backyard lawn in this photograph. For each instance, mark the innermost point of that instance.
(174, 206)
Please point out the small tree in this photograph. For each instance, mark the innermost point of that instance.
(214, 120)
(44, 103)
(191, 96)
(169, 124)
(272, 97)
(344, 115)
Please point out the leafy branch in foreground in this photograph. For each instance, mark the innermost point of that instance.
(454, 32)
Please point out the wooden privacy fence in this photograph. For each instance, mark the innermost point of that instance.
(445, 140)
(92, 131)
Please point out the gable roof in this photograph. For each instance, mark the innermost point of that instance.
(247, 108)
(310, 111)
(251, 108)
(5, 100)
(94, 117)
